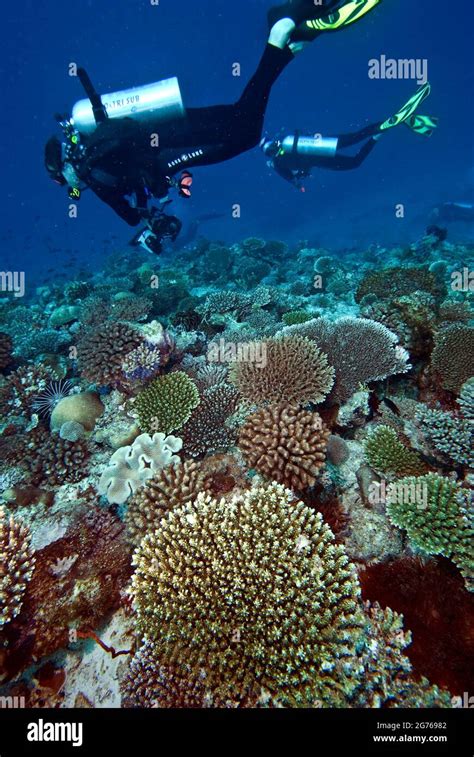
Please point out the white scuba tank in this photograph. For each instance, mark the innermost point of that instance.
(160, 101)
(324, 147)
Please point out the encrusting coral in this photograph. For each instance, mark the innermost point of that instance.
(17, 564)
(293, 370)
(257, 599)
(285, 444)
(385, 453)
(166, 403)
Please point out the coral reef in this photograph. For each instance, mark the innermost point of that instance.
(51, 461)
(285, 444)
(6, 345)
(208, 428)
(293, 370)
(449, 438)
(389, 283)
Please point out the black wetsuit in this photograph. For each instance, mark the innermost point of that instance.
(120, 160)
(292, 166)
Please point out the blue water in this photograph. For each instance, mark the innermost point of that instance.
(326, 89)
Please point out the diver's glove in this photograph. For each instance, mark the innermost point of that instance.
(159, 229)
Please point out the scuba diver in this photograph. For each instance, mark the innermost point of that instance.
(294, 156)
(451, 212)
(131, 147)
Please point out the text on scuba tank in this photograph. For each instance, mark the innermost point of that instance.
(131, 100)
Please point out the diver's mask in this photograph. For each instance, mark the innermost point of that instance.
(270, 147)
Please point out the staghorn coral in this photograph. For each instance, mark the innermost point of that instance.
(294, 370)
(6, 345)
(51, 461)
(17, 564)
(256, 598)
(385, 453)
(102, 350)
(432, 510)
(170, 487)
(360, 351)
(450, 439)
(167, 403)
(285, 444)
(206, 430)
(466, 400)
(390, 283)
(453, 356)
(131, 466)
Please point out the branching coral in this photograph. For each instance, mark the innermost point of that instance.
(51, 461)
(207, 429)
(385, 453)
(359, 349)
(102, 350)
(453, 356)
(433, 512)
(293, 370)
(450, 439)
(17, 564)
(171, 487)
(285, 444)
(131, 466)
(167, 403)
(256, 598)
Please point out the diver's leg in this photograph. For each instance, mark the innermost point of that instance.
(345, 15)
(349, 162)
(347, 140)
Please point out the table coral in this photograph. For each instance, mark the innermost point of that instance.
(293, 370)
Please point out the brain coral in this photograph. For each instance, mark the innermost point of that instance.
(432, 511)
(397, 282)
(101, 351)
(453, 356)
(16, 565)
(252, 595)
(385, 453)
(285, 444)
(167, 403)
(294, 371)
(206, 430)
(169, 488)
(359, 349)
(131, 466)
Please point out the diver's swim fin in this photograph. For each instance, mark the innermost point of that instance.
(408, 109)
(347, 14)
(424, 125)
(299, 11)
